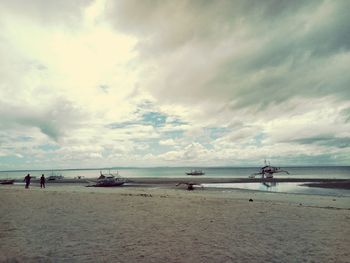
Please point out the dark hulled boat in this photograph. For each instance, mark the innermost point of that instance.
(195, 172)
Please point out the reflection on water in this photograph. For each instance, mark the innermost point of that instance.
(296, 188)
(269, 184)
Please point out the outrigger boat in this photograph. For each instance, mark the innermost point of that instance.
(267, 171)
(195, 172)
(108, 180)
(7, 181)
(55, 176)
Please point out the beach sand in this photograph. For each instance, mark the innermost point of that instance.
(72, 223)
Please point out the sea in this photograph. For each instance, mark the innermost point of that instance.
(309, 172)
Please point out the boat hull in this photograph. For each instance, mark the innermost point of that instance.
(7, 181)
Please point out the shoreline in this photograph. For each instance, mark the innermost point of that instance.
(314, 182)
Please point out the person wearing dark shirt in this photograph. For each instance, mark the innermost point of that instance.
(42, 181)
(27, 180)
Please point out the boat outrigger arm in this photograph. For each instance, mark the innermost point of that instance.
(268, 170)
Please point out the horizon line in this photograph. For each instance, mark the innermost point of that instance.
(150, 167)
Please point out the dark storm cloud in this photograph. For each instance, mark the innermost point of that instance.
(327, 141)
(185, 21)
(346, 114)
(287, 25)
(241, 52)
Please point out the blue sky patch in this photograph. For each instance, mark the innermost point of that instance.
(155, 119)
(48, 147)
(218, 132)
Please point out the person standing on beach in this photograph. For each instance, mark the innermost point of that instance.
(42, 181)
(27, 180)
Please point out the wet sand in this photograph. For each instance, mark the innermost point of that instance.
(206, 180)
(332, 184)
(73, 223)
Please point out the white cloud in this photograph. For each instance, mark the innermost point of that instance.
(105, 83)
(169, 142)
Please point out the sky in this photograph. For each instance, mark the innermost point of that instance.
(103, 83)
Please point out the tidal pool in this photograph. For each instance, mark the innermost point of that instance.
(295, 188)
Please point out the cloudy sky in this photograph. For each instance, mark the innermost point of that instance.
(98, 83)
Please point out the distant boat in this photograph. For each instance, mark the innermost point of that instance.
(55, 176)
(108, 180)
(7, 181)
(195, 172)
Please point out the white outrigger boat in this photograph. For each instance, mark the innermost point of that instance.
(55, 176)
(108, 180)
(267, 171)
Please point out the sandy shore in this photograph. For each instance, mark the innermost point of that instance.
(72, 223)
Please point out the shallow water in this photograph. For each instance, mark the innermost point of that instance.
(330, 172)
(295, 188)
(273, 187)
